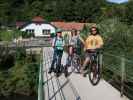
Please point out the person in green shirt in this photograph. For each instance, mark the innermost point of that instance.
(58, 46)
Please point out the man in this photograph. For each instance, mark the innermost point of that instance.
(93, 42)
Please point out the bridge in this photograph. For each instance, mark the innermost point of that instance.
(77, 87)
(115, 83)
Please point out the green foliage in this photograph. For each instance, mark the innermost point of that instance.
(85, 31)
(16, 33)
(27, 35)
(118, 43)
(117, 36)
(129, 13)
(20, 54)
(9, 35)
(22, 77)
(6, 35)
(71, 10)
(6, 58)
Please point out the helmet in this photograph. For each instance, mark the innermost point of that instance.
(58, 31)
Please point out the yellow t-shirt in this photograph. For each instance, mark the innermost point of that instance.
(93, 42)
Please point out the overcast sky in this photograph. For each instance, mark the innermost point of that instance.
(118, 1)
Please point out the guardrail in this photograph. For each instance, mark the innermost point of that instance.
(33, 43)
(40, 83)
(118, 71)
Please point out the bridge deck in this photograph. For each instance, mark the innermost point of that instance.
(75, 87)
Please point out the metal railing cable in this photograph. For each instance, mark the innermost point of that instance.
(118, 71)
(62, 96)
(116, 68)
(61, 84)
(49, 79)
(77, 96)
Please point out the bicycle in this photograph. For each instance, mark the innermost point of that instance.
(94, 68)
(74, 62)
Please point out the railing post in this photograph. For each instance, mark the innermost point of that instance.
(122, 75)
(40, 84)
(101, 64)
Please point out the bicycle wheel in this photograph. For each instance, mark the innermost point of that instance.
(76, 64)
(94, 73)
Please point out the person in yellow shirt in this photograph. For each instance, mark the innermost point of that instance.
(93, 42)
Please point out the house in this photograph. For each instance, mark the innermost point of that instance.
(67, 27)
(38, 26)
(41, 28)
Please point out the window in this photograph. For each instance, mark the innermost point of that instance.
(45, 32)
(30, 30)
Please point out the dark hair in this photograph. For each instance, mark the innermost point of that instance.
(97, 30)
(75, 32)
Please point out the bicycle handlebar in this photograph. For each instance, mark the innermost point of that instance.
(98, 50)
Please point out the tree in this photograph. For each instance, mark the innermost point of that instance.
(4, 10)
(129, 12)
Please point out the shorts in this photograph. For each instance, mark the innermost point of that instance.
(89, 54)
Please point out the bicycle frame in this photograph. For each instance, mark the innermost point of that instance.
(94, 69)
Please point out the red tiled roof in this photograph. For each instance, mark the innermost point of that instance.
(68, 25)
(38, 19)
(20, 23)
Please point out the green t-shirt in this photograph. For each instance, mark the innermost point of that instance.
(59, 43)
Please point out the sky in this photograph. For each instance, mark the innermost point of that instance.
(117, 1)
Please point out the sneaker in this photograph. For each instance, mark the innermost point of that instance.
(66, 73)
(51, 70)
(84, 75)
(83, 72)
(57, 74)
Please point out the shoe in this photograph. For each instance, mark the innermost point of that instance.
(83, 72)
(51, 70)
(57, 70)
(66, 73)
(84, 75)
(57, 74)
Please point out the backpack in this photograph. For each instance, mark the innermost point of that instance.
(56, 41)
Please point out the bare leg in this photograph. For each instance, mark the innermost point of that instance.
(87, 59)
(70, 50)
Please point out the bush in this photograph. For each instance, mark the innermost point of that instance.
(22, 77)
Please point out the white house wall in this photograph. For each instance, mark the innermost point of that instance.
(38, 28)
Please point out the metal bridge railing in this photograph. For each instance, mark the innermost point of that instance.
(57, 87)
(40, 83)
(118, 71)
